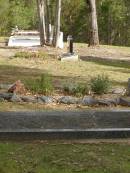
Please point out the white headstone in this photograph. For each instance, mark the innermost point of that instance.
(60, 41)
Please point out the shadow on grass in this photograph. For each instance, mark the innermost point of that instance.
(108, 62)
(118, 83)
(9, 74)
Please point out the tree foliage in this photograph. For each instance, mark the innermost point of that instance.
(113, 19)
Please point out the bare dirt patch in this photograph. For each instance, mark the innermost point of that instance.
(6, 53)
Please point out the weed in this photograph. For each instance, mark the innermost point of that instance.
(43, 85)
(76, 89)
(28, 55)
(100, 84)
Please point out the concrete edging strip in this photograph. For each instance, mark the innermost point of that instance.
(65, 125)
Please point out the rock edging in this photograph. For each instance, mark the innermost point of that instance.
(68, 100)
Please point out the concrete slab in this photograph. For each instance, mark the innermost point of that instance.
(24, 41)
(66, 125)
(29, 38)
(69, 57)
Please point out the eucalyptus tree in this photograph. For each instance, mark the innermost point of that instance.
(42, 28)
(94, 37)
(57, 23)
(47, 20)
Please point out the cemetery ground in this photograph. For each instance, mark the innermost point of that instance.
(64, 157)
(109, 60)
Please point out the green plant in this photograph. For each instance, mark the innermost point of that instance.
(41, 54)
(43, 85)
(25, 54)
(100, 84)
(76, 89)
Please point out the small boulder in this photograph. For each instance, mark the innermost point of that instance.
(120, 91)
(6, 96)
(5, 86)
(104, 102)
(109, 102)
(45, 99)
(29, 99)
(68, 100)
(89, 101)
(125, 101)
(17, 87)
(15, 98)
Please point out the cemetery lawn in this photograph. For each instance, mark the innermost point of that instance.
(40, 157)
(12, 68)
(109, 60)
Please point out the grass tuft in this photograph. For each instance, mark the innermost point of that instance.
(78, 89)
(29, 55)
(42, 85)
(100, 84)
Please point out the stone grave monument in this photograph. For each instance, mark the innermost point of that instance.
(70, 55)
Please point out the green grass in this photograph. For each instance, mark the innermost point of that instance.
(29, 55)
(76, 89)
(43, 85)
(64, 158)
(100, 84)
(25, 69)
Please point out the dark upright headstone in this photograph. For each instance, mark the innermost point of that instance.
(70, 44)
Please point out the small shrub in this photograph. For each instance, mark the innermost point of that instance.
(23, 55)
(28, 55)
(76, 89)
(100, 84)
(68, 88)
(43, 85)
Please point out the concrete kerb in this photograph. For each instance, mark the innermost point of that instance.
(65, 125)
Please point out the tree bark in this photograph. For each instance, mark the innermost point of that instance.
(47, 22)
(57, 23)
(41, 13)
(94, 37)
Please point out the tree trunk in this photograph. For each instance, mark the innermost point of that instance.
(94, 37)
(47, 22)
(41, 13)
(57, 23)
